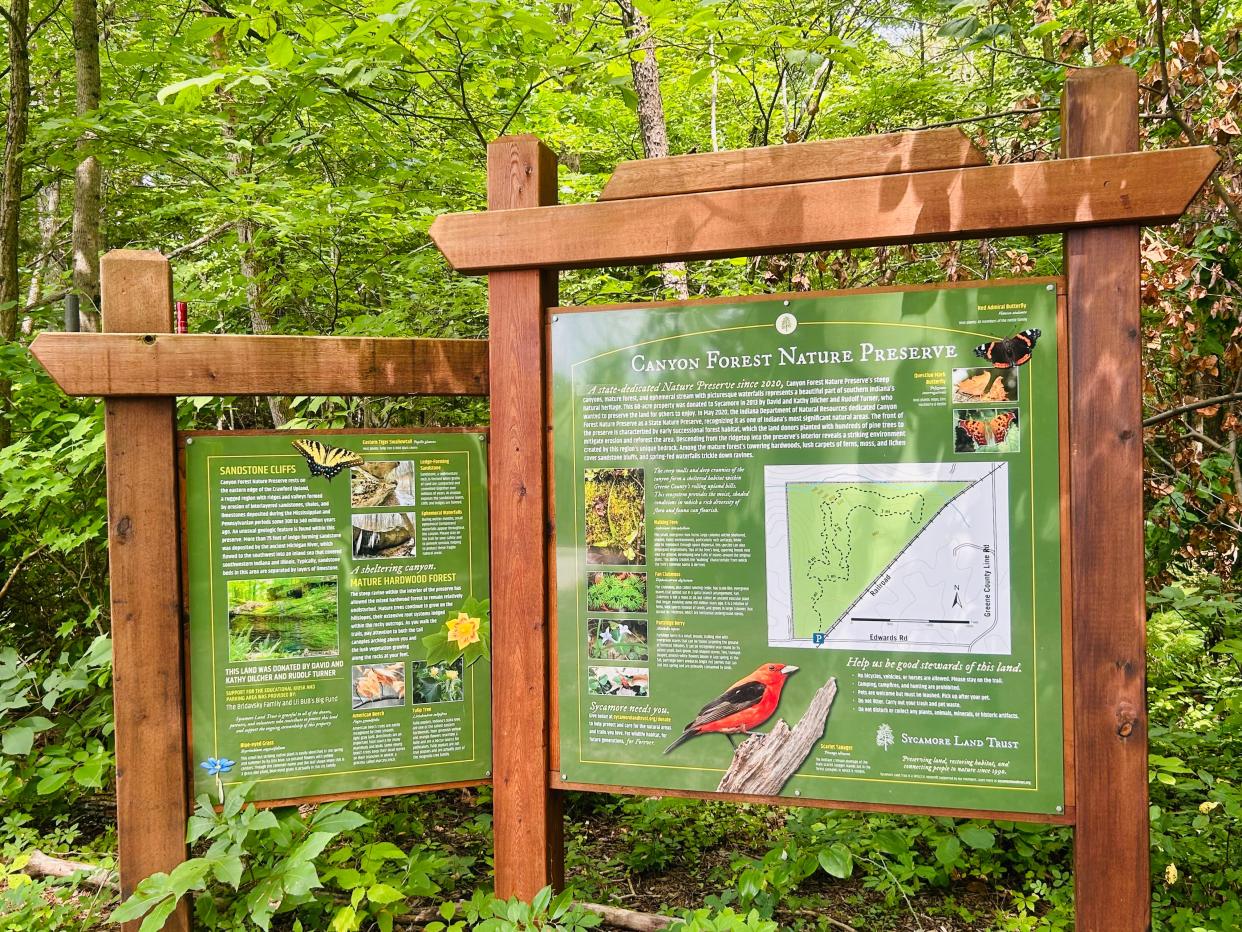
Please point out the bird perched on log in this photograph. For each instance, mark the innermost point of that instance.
(745, 705)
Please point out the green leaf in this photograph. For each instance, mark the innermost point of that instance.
(891, 841)
(541, 900)
(154, 920)
(299, 878)
(837, 861)
(229, 870)
(382, 893)
(978, 837)
(18, 741)
(279, 50)
(961, 28)
(200, 84)
(948, 851)
(384, 850)
(52, 782)
(343, 921)
(337, 822)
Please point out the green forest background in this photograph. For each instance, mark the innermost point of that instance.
(289, 157)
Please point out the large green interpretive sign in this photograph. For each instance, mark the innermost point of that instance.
(338, 594)
(840, 512)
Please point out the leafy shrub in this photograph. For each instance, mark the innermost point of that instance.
(617, 592)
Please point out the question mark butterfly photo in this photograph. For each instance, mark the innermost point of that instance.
(985, 429)
(1015, 351)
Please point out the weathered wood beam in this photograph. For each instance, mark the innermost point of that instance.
(162, 364)
(1112, 883)
(1138, 188)
(148, 689)
(891, 153)
(527, 820)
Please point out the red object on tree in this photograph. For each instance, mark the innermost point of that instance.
(183, 317)
(746, 704)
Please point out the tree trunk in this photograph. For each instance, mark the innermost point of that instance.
(48, 207)
(651, 123)
(88, 179)
(16, 122)
(251, 263)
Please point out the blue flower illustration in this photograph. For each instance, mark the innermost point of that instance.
(217, 765)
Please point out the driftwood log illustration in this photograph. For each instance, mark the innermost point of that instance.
(764, 763)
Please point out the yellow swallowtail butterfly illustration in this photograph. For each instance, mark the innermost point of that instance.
(324, 460)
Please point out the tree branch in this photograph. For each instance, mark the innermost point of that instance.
(202, 240)
(17, 568)
(978, 119)
(1193, 406)
(44, 865)
(48, 299)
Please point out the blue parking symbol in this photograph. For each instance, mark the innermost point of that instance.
(818, 637)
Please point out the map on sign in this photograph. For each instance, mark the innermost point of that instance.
(893, 557)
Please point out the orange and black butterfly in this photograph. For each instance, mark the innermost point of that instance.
(1015, 351)
(994, 430)
(324, 460)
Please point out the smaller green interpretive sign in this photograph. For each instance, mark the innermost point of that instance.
(338, 594)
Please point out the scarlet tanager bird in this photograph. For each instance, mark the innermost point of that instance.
(746, 704)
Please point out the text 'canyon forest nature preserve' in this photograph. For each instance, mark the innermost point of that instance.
(840, 512)
(339, 634)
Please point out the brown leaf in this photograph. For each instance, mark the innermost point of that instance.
(1072, 42)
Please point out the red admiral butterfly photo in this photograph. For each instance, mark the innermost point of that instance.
(1016, 351)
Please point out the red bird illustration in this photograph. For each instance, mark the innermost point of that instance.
(746, 704)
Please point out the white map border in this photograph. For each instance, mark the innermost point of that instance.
(996, 638)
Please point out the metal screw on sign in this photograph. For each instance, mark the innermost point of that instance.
(1050, 287)
(564, 776)
(555, 318)
(1060, 808)
(786, 303)
(487, 773)
(188, 441)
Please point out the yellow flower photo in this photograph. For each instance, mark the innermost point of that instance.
(463, 630)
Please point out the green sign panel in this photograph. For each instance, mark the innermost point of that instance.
(339, 633)
(840, 512)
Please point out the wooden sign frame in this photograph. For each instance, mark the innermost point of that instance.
(1098, 195)
(140, 369)
(918, 187)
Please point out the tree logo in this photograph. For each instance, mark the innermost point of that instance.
(884, 736)
(786, 324)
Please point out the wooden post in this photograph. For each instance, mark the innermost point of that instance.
(1099, 116)
(521, 172)
(148, 691)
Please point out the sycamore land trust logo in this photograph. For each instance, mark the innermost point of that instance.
(786, 324)
(884, 737)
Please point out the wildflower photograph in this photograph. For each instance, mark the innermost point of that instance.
(437, 682)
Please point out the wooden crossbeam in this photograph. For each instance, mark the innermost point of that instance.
(135, 364)
(1033, 197)
(891, 153)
